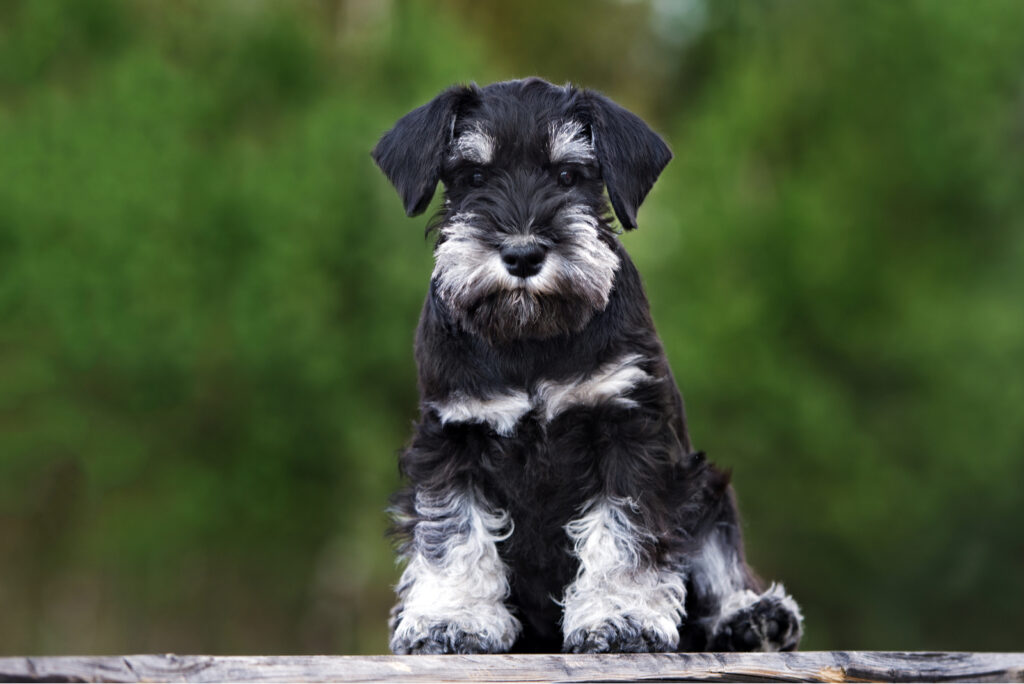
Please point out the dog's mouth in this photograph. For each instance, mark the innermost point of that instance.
(508, 315)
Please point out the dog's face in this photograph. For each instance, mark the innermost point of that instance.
(525, 248)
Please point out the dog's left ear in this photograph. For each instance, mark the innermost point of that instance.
(630, 153)
(410, 154)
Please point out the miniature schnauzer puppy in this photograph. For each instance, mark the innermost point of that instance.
(553, 500)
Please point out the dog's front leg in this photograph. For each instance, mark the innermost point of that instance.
(621, 601)
(741, 617)
(452, 592)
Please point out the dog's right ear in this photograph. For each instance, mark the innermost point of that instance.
(410, 154)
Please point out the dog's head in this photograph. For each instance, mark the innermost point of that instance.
(525, 247)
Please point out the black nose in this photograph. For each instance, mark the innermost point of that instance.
(523, 261)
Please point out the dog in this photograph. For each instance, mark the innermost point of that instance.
(553, 498)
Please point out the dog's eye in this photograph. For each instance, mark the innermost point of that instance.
(477, 179)
(566, 178)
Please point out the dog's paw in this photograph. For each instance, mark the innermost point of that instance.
(446, 638)
(770, 622)
(625, 635)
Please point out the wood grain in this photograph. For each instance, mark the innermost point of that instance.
(822, 666)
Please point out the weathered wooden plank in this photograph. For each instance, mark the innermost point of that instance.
(828, 666)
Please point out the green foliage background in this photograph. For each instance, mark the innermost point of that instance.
(208, 294)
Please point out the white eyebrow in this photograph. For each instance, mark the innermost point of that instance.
(474, 145)
(567, 144)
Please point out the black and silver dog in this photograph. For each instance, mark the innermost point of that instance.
(554, 500)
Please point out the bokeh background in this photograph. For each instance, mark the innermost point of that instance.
(208, 295)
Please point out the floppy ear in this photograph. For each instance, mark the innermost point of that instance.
(630, 153)
(410, 154)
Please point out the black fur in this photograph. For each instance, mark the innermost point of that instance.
(765, 621)
(486, 343)
(410, 154)
(631, 155)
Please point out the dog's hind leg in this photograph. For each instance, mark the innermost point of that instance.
(728, 605)
(452, 592)
(620, 601)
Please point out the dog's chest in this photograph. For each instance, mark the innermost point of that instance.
(542, 455)
(533, 409)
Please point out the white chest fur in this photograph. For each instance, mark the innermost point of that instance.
(609, 383)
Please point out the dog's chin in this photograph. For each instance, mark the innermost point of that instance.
(506, 316)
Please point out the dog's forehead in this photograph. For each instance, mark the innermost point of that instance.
(517, 121)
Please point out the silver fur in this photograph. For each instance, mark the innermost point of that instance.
(610, 383)
(588, 262)
(741, 601)
(613, 586)
(468, 268)
(717, 572)
(474, 145)
(460, 586)
(502, 412)
(566, 144)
